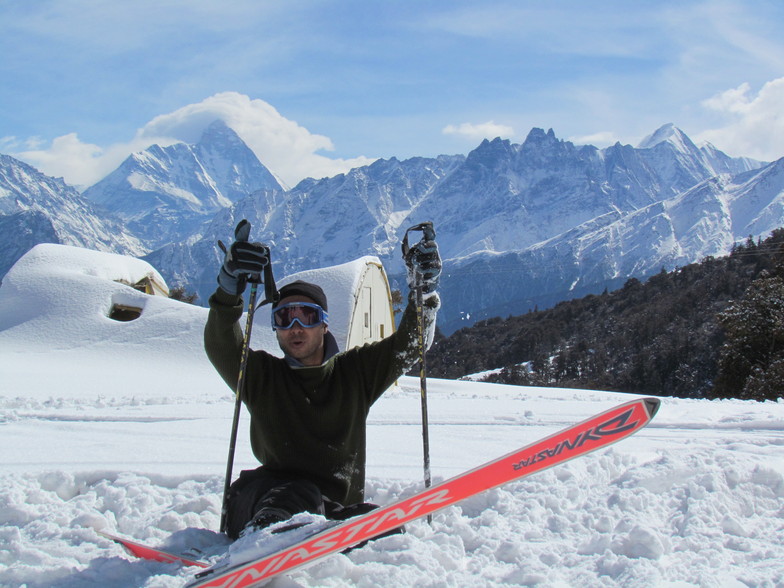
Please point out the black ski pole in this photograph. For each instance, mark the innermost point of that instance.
(428, 234)
(240, 388)
(238, 404)
(423, 379)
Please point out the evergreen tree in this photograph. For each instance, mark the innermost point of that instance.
(179, 293)
(662, 336)
(751, 364)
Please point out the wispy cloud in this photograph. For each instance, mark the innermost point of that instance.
(600, 139)
(755, 123)
(67, 157)
(567, 27)
(477, 132)
(289, 150)
(316, 87)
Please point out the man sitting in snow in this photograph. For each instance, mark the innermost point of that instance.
(308, 409)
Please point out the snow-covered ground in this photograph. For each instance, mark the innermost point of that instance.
(124, 427)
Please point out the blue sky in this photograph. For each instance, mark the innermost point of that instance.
(316, 87)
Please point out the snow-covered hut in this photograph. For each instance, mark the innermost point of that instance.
(359, 301)
(70, 297)
(81, 314)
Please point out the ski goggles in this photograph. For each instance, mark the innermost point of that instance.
(306, 314)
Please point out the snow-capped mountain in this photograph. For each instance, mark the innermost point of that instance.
(604, 252)
(711, 158)
(319, 221)
(165, 193)
(519, 225)
(36, 208)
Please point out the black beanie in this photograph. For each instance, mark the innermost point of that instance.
(312, 291)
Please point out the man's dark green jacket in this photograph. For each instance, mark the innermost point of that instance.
(309, 422)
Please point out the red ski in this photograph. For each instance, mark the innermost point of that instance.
(152, 553)
(595, 433)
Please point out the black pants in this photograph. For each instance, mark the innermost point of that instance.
(260, 488)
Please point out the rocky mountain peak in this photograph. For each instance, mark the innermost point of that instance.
(671, 134)
(166, 192)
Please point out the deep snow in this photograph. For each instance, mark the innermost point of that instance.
(124, 427)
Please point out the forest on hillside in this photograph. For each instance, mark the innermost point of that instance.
(713, 329)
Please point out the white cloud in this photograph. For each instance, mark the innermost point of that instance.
(67, 157)
(734, 100)
(755, 125)
(600, 139)
(79, 164)
(289, 150)
(477, 132)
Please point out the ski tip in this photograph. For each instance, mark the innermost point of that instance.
(652, 406)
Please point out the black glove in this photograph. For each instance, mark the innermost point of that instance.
(423, 262)
(244, 261)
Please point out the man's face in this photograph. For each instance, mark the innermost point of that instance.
(304, 345)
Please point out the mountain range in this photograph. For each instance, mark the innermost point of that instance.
(519, 225)
(36, 208)
(164, 194)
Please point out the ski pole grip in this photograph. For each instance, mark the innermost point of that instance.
(428, 234)
(242, 232)
(259, 279)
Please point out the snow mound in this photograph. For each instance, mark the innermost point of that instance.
(607, 520)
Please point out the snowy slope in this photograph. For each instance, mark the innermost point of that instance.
(603, 252)
(37, 208)
(124, 427)
(165, 193)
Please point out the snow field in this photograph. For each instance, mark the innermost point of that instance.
(702, 516)
(124, 427)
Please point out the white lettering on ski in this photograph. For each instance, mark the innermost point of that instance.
(344, 536)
